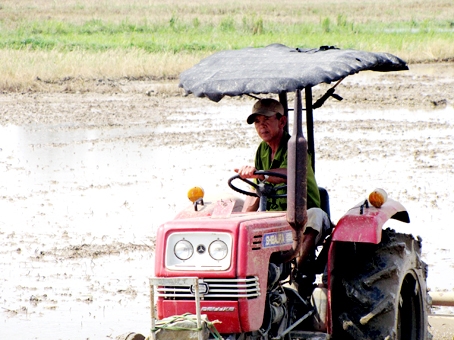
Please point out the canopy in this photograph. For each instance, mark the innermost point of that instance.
(278, 68)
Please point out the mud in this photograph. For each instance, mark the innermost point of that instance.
(87, 177)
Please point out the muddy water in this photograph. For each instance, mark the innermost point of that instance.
(82, 193)
(75, 257)
(79, 211)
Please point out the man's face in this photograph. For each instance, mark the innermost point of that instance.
(269, 128)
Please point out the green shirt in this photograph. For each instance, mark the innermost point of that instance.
(263, 162)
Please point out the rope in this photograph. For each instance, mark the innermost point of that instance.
(214, 332)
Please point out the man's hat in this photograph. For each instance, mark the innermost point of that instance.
(266, 107)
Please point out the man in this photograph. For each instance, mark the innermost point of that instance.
(269, 121)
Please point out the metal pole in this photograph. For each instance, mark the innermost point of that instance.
(310, 125)
(442, 298)
(284, 102)
(153, 317)
(197, 309)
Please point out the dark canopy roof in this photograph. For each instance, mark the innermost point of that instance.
(278, 68)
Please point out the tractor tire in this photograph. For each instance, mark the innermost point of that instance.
(379, 290)
(130, 336)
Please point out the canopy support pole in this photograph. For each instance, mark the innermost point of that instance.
(310, 126)
(284, 102)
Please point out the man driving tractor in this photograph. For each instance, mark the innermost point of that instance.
(241, 264)
(270, 121)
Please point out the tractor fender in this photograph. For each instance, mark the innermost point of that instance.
(363, 223)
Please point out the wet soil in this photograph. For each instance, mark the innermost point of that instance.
(88, 176)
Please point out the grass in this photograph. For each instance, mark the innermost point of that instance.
(157, 39)
(179, 37)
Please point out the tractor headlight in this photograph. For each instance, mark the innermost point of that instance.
(183, 250)
(218, 250)
(192, 250)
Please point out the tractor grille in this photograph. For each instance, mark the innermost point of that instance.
(257, 242)
(218, 289)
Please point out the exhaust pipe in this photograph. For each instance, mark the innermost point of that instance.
(296, 171)
(296, 177)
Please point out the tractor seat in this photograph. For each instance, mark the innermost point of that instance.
(324, 200)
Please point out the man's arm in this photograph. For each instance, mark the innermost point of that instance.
(276, 180)
(251, 204)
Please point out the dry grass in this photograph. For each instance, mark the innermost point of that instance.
(34, 70)
(282, 10)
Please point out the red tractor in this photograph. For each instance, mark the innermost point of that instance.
(373, 281)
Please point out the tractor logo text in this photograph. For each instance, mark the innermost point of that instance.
(218, 309)
(277, 239)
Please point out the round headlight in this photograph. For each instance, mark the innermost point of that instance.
(183, 250)
(218, 250)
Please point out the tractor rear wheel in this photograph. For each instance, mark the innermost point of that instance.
(379, 291)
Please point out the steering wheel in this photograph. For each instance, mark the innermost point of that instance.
(263, 190)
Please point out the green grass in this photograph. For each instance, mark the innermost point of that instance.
(178, 35)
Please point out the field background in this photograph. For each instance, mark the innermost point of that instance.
(98, 147)
(76, 43)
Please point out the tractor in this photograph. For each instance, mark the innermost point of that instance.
(230, 274)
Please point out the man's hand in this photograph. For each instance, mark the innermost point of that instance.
(247, 171)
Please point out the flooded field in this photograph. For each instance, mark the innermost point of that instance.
(85, 180)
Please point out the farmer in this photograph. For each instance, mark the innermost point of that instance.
(269, 121)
